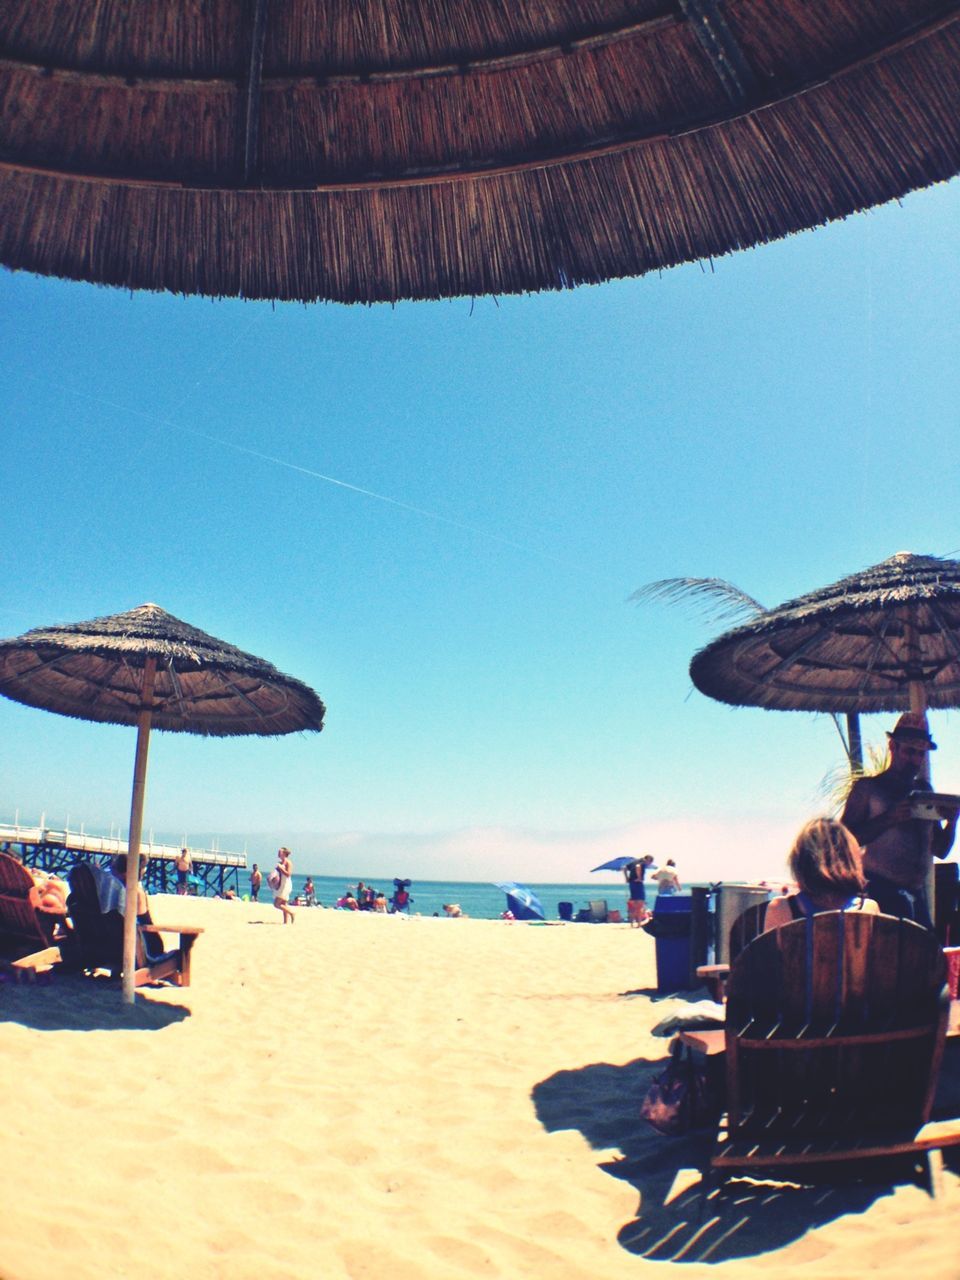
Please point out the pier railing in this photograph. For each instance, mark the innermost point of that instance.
(55, 851)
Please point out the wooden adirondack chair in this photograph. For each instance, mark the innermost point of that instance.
(97, 938)
(834, 1035)
(24, 929)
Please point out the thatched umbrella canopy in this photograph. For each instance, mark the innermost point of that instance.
(149, 669)
(885, 639)
(427, 148)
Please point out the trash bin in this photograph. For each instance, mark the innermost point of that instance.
(671, 928)
(731, 901)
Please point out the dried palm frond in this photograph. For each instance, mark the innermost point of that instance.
(713, 598)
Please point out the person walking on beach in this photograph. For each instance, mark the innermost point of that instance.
(634, 873)
(898, 849)
(256, 879)
(282, 893)
(184, 867)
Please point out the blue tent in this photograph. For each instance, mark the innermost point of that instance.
(523, 902)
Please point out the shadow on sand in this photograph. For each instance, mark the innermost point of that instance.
(74, 1003)
(680, 1218)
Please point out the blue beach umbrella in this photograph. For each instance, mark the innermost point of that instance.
(523, 902)
(615, 864)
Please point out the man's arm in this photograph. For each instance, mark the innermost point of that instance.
(943, 837)
(855, 814)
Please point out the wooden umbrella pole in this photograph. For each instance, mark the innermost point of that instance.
(918, 702)
(136, 826)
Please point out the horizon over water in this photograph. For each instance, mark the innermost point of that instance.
(478, 899)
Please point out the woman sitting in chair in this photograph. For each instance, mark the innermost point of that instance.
(118, 869)
(827, 864)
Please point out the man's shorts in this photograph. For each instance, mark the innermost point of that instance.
(893, 900)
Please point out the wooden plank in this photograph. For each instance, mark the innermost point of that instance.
(708, 1040)
(746, 1152)
(802, 1043)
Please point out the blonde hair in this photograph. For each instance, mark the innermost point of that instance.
(825, 858)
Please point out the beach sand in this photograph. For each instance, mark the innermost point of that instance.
(368, 1096)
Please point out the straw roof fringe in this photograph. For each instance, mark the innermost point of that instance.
(310, 149)
(854, 646)
(94, 671)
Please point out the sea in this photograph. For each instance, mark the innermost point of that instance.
(477, 899)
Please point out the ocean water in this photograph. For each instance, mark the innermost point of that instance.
(477, 899)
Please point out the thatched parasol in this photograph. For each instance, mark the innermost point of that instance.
(428, 148)
(885, 639)
(146, 667)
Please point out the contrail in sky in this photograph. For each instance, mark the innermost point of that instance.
(308, 471)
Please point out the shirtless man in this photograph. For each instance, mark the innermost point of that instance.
(898, 850)
(184, 867)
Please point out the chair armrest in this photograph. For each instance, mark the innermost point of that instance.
(184, 930)
(709, 1040)
(38, 960)
(714, 978)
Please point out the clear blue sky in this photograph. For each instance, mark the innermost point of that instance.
(434, 515)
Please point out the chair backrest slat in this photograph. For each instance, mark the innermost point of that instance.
(15, 880)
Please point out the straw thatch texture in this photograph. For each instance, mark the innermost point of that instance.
(854, 646)
(94, 671)
(425, 148)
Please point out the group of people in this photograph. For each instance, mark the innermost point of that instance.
(876, 858)
(362, 897)
(366, 898)
(666, 879)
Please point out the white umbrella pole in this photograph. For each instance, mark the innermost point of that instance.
(136, 825)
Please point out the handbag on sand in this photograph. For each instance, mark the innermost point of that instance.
(679, 1099)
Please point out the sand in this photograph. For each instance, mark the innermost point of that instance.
(368, 1096)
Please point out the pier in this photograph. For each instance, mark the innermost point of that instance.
(56, 852)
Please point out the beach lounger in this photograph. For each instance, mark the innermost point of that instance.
(97, 938)
(834, 1036)
(24, 928)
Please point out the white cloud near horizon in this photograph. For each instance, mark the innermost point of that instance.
(708, 849)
